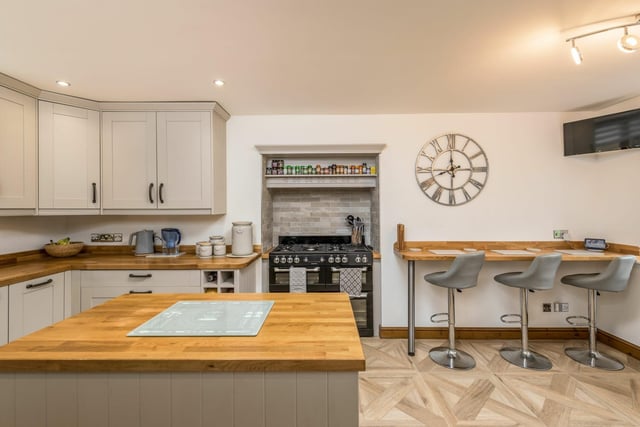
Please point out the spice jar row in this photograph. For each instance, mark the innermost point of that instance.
(278, 168)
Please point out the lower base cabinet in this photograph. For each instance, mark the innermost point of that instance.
(98, 286)
(35, 304)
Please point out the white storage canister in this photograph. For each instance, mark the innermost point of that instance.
(242, 238)
(219, 246)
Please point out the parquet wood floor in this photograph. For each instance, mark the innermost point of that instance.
(399, 390)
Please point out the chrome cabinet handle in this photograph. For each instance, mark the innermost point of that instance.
(37, 285)
(160, 192)
(140, 276)
(140, 292)
(93, 199)
(150, 193)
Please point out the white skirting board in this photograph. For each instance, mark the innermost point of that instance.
(251, 399)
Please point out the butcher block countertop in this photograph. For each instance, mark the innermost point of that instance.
(506, 251)
(29, 265)
(303, 332)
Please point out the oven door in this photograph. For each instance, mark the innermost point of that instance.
(366, 278)
(362, 306)
(280, 281)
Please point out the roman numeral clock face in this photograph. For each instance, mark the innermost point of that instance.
(452, 169)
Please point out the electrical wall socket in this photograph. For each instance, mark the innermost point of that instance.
(546, 307)
(561, 306)
(560, 234)
(106, 237)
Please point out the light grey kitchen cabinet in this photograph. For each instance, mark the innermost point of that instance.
(35, 304)
(163, 162)
(4, 315)
(98, 286)
(17, 153)
(69, 160)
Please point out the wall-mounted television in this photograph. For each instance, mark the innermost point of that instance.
(617, 131)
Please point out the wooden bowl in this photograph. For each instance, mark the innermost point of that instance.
(61, 251)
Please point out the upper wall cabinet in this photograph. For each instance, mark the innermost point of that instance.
(163, 162)
(69, 160)
(17, 153)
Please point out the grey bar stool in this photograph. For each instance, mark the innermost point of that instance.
(462, 274)
(539, 276)
(613, 279)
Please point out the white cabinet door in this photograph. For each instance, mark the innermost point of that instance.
(96, 295)
(4, 315)
(17, 151)
(184, 160)
(98, 286)
(69, 157)
(129, 160)
(35, 304)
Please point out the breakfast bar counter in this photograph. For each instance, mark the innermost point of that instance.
(302, 365)
(495, 251)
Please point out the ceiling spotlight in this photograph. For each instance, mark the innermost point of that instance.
(63, 83)
(628, 42)
(575, 53)
(218, 83)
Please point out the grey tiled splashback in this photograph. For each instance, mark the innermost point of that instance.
(319, 211)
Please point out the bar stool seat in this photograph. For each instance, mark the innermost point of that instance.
(462, 274)
(539, 276)
(614, 278)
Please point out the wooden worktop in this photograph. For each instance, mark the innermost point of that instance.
(303, 332)
(32, 264)
(420, 250)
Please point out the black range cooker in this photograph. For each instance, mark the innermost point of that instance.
(324, 260)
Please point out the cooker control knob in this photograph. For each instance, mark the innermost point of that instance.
(296, 260)
(276, 260)
(283, 259)
(364, 258)
(330, 259)
(321, 259)
(344, 259)
(357, 259)
(289, 260)
(305, 259)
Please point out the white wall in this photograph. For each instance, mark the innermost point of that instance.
(531, 190)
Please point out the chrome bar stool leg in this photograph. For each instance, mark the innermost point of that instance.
(450, 357)
(591, 356)
(523, 357)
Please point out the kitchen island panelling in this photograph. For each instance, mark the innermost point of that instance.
(301, 369)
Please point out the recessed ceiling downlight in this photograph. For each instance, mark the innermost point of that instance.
(218, 82)
(63, 83)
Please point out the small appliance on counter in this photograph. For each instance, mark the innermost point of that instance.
(593, 244)
(171, 238)
(144, 242)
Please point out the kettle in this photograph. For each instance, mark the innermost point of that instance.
(144, 241)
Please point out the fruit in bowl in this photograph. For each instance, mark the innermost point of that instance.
(63, 248)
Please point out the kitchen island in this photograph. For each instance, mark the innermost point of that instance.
(301, 368)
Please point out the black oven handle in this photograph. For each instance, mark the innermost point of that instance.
(336, 269)
(286, 270)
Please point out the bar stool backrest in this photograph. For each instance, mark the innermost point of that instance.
(463, 272)
(541, 272)
(617, 274)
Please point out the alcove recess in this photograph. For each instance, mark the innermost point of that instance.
(318, 203)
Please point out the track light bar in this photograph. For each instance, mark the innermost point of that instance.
(627, 43)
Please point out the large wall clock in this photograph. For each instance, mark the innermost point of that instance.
(452, 169)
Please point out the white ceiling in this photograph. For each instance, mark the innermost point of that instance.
(323, 56)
